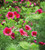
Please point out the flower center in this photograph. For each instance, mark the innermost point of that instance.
(7, 31)
(34, 33)
(10, 14)
(13, 35)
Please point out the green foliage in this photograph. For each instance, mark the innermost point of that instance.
(28, 15)
(24, 45)
(28, 3)
(42, 5)
(42, 30)
(34, 46)
(9, 0)
(11, 47)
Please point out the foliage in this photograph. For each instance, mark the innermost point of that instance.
(42, 5)
(34, 21)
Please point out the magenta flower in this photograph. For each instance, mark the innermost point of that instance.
(7, 31)
(41, 43)
(3, 21)
(35, 4)
(18, 10)
(24, 21)
(0, 14)
(35, 41)
(30, 3)
(10, 15)
(22, 0)
(23, 32)
(39, 11)
(44, 43)
(27, 27)
(17, 15)
(31, 24)
(34, 33)
(13, 36)
(4, 1)
(16, 7)
(15, 1)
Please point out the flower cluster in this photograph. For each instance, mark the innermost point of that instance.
(12, 15)
(8, 32)
(16, 14)
(19, 22)
(39, 11)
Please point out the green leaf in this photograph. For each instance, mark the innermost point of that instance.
(24, 45)
(11, 47)
(8, 0)
(28, 3)
(36, 16)
(34, 46)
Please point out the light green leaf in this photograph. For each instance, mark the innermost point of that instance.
(24, 45)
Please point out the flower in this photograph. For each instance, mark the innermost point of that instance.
(30, 3)
(24, 21)
(35, 4)
(31, 24)
(44, 43)
(39, 10)
(16, 7)
(16, 14)
(4, 1)
(22, 0)
(15, 1)
(18, 10)
(10, 15)
(27, 27)
(7, 31)
(13, 36)
(23, 32)
(35, 41)
(41, 43)
(34, 33)
(0, 14)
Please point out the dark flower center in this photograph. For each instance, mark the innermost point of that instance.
(7, 31)
(10, 14)
(13, 35)
(34, 33)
